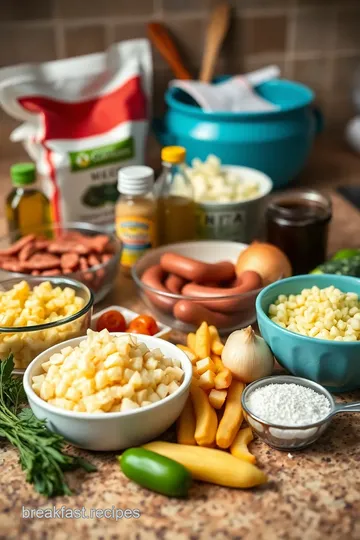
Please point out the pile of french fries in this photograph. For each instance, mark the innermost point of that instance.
(213, 415)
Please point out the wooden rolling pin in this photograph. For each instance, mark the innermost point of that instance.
(161, 39)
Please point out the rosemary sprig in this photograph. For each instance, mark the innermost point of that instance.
(40, 450)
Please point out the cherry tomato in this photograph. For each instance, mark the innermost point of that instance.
(138, 328)
(146, 321)
(111, 320)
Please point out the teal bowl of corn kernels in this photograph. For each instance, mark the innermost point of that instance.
(322, 356)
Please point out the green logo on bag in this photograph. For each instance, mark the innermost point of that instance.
(102, 155)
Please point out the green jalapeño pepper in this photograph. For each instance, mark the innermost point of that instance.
(153, 471)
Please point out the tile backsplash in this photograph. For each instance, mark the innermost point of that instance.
(316, 42)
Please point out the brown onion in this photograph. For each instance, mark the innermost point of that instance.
(265, 259)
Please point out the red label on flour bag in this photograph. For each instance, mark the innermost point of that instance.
(84, 118)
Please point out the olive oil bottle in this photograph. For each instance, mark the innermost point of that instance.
(27, 208)
(176, 206)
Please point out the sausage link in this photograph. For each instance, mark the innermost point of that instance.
(84, 265)
(70, 260)
(16, 248)
(174, 283)
(27, 251)
(53, 272)
(7, 258)
(197, 271)
(106, 257)
(80, 249)
(247, 281)
(153, 277)
(72, 236)
(42, 244)
(93, 260)
(98, 243)
(13, 266)
(42, 262)
(65, 247)
(191, 313)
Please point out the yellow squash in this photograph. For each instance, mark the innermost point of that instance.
(189, 353)
(219, 366)
(239, 447)
(232, 417)
(210, 465)
(216, 346)
(206, 418)
(202, 341)
(185, 425)
(190, 341)
(223, 379)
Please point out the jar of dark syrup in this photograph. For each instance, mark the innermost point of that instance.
(298, 222)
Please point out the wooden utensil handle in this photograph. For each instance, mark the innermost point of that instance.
(209, 62)
(217, 27)
(166, 47)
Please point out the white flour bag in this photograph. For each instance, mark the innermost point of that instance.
(83, 118)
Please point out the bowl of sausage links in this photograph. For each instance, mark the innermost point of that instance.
(312, 325)
(215, 281)
(80, 251)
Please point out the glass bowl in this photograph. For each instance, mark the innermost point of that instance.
(26, 342)
(230, 312)
(100, 278)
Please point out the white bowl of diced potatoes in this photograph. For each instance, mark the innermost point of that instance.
(109, 391)
(230, 200)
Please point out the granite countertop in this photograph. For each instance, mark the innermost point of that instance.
(312, 494)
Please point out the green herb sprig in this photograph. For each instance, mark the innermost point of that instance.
(40, 450)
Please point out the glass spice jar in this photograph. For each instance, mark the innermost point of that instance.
(298, 222)
(136, 214)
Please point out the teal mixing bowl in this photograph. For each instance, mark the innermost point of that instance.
(276, 142)
(333, 364)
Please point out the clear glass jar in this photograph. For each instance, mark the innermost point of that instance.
(298, 222)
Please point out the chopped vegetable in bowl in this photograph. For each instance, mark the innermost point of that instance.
(214, 183)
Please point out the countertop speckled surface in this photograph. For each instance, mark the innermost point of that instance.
(313, 494)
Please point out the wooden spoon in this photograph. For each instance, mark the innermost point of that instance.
(160, 37)
(216, 31)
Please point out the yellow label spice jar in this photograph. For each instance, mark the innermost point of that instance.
(136, 212)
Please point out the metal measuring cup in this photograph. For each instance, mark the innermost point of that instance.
(292, 437)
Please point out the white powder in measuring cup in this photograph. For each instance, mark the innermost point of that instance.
(288, 404)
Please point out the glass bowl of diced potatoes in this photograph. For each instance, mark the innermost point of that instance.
(38, 312)
(109, 391)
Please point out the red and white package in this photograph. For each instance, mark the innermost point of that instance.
(83, 118)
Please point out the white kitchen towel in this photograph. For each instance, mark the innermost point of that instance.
(233, 95)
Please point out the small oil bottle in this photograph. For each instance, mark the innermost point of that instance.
(27, 208)
(176, 206)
